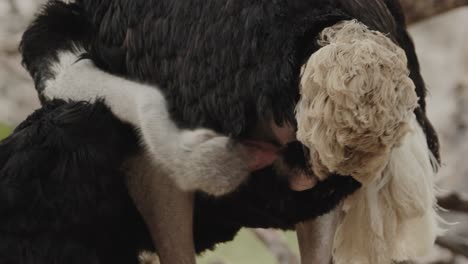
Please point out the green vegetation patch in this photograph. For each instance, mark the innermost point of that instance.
(245, 249)
(4, 131)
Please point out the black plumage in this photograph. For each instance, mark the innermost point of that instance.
(62, 194)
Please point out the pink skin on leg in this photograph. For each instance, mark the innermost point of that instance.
(302, 182)
(265, 154)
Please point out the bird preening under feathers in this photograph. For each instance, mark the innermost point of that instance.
(181, 97)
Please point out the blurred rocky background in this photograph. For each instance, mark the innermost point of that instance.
(442, 45)
(17, 95)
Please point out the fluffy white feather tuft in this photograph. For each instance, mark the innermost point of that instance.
(394, 217)
(356, 116)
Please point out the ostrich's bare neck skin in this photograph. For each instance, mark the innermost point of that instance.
(167, 211)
